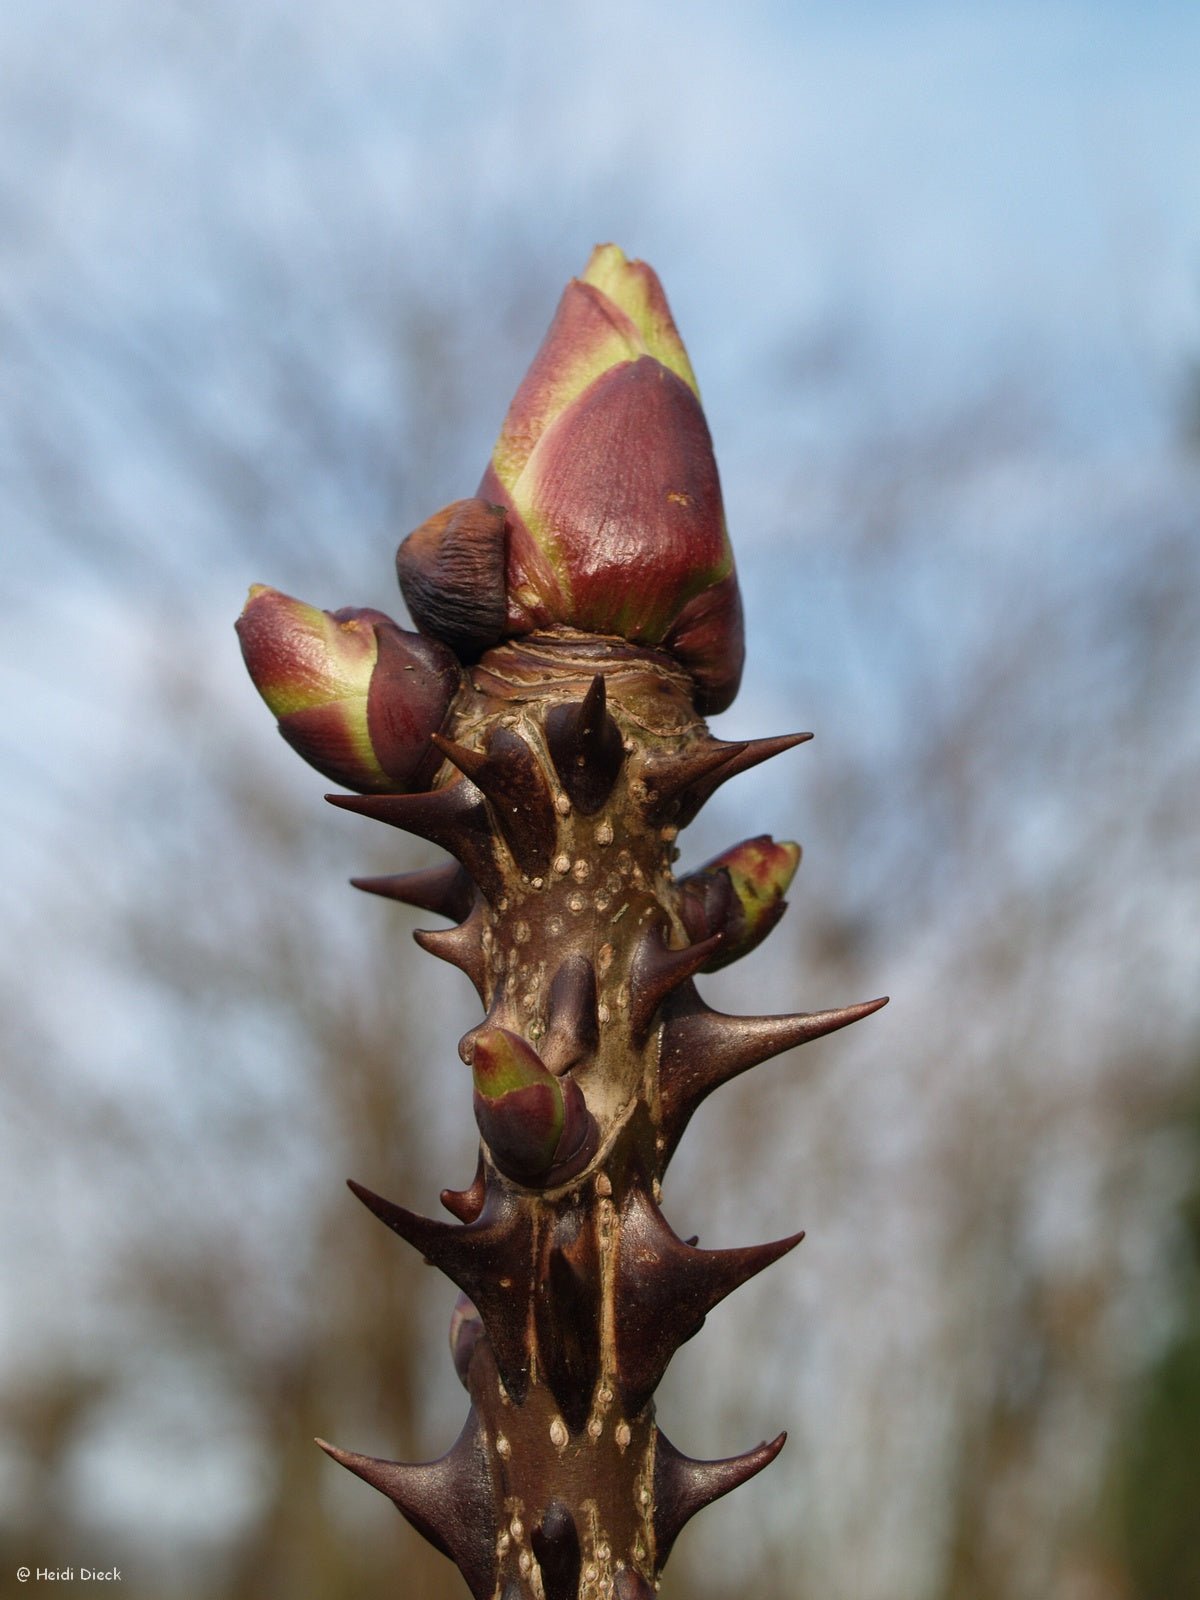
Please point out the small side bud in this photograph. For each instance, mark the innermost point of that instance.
(537, 1126)
(555, 1542)
(466, 1330)
(708, 639)
(739, 894)
(631, 1585)
(355, 695)
(451, 572)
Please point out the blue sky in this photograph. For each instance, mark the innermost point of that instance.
(869, 218)
(982, 183)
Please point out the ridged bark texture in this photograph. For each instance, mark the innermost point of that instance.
(569, 765)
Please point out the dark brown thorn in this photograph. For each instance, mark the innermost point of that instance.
(572, 1031)
(454, 818)
(683, 1486)
(523, 803)
(462, 947)
(446, 889)
(672, 777)
(567, 1317)
(656, 971)
(448, 1501)
(432, 1239)
(586, 748)
(664, 1289)
(509, 776)
(748, 754)
(555, 1542)
(489, 1260)
(466, 1204)
(469, 762)
(703, 1048)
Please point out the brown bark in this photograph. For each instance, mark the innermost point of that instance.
(571, 764)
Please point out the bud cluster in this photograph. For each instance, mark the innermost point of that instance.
(575, 622)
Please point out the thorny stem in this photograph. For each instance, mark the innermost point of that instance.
(575, 622)
(585, 756)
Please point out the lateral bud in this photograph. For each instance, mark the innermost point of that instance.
(738, 894)
(555, 1541)
(537, 1127)
(631, 1585)
(466, 1330)
(355, 695)
(451, 572)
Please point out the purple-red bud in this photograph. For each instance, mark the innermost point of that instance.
(606, 467)
(739, 894)
(601, 506)
(536, 1126)
(355, 695)
(706, 639)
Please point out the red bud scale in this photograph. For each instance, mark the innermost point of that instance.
(577, 622)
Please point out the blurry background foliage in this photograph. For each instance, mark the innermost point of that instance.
(268, 277)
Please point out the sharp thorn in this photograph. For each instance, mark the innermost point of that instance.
(593, 708)
(423, 1233)
(489, 1260)
(672, 778)
(586, 748)
(509, 776)
(454, 817)
(469, 762)
(462, 947)
(683, 1486)
(448, 1501)
(740, 759)
(445, 889)
(703, 1048)
(664, 1290)
(466, 1204)
(656, 971)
